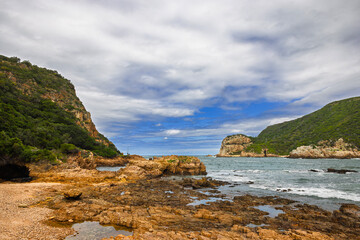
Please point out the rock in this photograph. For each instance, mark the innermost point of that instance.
(111, 162)
(200, 183)
(351, 210)
(83, 159)
(324, 149)
(234, 143)
(145, 206)
(72, 194)
(204, 214)
(141, 168)
(341, 171)
(283, 190)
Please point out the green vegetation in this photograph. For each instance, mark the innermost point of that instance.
(336, 120)
(33, 127)
(182, 159)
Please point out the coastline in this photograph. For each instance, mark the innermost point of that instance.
(254, 155)
(155, 207)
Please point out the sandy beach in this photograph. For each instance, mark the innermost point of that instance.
(20, 216)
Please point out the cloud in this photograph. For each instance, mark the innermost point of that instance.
(117, 107)
(134, 61)
(171, 132)
(248, 126)
(188, 55)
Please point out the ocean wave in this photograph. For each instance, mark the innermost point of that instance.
(327, 193)
(249, 171)
(314, 170)
(228, 176)
(315, 192)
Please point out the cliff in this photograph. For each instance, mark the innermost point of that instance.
(234, 144)
(337, 120)
(41, 117)
(32, 80)
(238, 146)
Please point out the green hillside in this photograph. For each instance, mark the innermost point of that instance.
(38, 116)
(340, 119)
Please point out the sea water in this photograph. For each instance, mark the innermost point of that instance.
(288, 178)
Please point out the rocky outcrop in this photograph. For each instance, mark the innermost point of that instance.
(326, 149)
(81, 168)
(340, 171)
(112, 162)
(234, 144)
(72, 194)
(140, 168)
(160, 209)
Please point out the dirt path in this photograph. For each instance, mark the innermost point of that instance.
(19, 220)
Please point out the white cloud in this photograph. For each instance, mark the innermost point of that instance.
(188, 52)
(250, 127)
(158, 59)
(126, 109)
(171, 132)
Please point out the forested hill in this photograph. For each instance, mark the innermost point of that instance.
(336, 120)
(41, 117)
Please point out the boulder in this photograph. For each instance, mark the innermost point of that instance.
(340, 171)
(72, 194)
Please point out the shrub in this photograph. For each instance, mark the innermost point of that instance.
(68, 148)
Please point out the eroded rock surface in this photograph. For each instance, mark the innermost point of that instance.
(174, 207)
(140, 168)
(160, 209)
(234, 143)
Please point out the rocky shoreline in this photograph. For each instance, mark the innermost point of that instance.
(326, 149)
(237, 146)
(145, 198)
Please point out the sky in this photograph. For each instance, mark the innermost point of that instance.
(176, 77)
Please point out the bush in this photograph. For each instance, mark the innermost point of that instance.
(68, 148)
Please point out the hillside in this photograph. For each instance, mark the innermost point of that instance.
(41, 117)
(336, 120)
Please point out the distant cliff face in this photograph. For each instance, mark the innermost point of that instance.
(41, 117)
(234, 144)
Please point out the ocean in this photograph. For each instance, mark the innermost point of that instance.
(288, 178)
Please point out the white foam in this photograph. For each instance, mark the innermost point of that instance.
(327, 193)
(250, 171)
(228, 175)
(317, 192)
